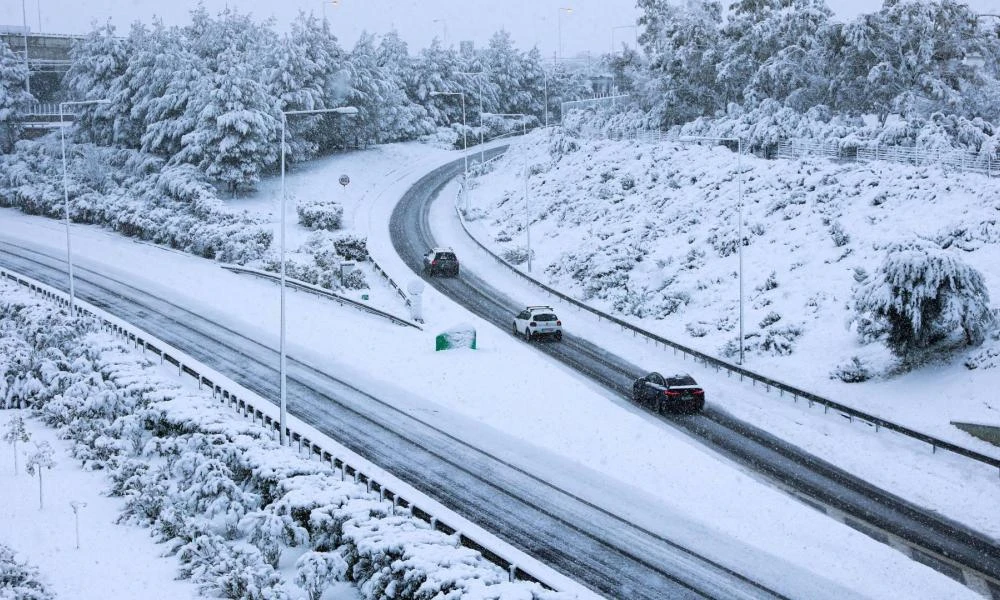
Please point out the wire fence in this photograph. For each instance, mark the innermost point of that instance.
(966, 162)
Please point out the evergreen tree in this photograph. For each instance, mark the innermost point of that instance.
(911, 56)
(683, 46)
(918, 295)
(97, 64)
(237, 126)
(14, 99)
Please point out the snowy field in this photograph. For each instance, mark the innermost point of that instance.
(566, 429)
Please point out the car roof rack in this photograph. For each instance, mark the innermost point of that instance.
(534, 306)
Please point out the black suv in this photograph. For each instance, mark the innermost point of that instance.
(441, 261)
(676, 392)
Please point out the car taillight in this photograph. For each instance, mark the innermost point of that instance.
(533, 324)
(559, 323)
(434, 262)
(699, 391)
(672, 393)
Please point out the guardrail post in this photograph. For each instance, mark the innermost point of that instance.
(512, 573)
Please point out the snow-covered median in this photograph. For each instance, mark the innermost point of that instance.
(245, 517)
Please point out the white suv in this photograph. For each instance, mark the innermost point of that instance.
(538, 321)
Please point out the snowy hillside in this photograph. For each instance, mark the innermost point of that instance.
(648, 231)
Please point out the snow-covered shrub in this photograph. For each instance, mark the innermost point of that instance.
(19, 580)
(320, 214)
(351, 247)
(696, 329)
(270, 532)
(234, 572)
(918, 295)
(776, 341)
(853, 371)
(516, 255)
(769, 284)
(840, 237)
(135, 194)
(315, 571)
(355, 280)
(769, 319)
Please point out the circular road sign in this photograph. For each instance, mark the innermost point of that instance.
(344, 180)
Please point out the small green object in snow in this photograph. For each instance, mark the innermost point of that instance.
(364, 296)
(457, 337)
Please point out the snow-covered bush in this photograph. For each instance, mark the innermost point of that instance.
(19, 580)
(918, 296)
(355, 280)
(516, 255)
(320, 214)
(351, 247)
(314, 571)
(137, 195)
(853, 371)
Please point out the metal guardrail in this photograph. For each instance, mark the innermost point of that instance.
(247, 408)
(314, 289)
(48, 109)
(846, 411)
(378, 269)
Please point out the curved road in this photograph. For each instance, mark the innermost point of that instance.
(951, 546)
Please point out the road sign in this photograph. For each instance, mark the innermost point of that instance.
(344, 180)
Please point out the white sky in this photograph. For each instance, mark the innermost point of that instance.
(531, 22)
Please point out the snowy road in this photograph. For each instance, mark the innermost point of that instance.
(955, 546)
(604, 550)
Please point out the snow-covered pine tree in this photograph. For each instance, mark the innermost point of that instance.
(920, 294)
(14, 98)
(97, 64)
(237, 124)
(684, 47)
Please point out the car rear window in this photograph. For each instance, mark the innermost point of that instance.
(685, 380)
(545, 317)
(446, 256)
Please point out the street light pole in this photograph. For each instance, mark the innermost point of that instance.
(283, 403)
(527, 212)
(69, 245)
(569, 11)
(444, 25)
(27, 67)
(465, 139)
(479, 74)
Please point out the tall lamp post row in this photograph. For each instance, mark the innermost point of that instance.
(527, 212)
(348, 111)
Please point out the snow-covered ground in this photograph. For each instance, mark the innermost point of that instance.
(564, 428)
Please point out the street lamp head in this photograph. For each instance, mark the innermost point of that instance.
(568, 10)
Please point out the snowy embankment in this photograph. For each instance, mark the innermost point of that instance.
(245, 517)
(648, 231)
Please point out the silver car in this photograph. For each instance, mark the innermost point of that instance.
(536, 322)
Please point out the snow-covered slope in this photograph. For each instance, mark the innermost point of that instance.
(649, 231)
